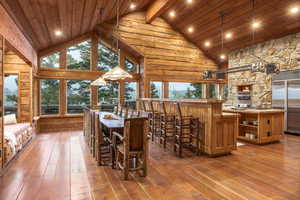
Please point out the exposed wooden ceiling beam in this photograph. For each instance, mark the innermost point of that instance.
(157, 8)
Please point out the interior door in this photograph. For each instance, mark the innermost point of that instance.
(293, 114)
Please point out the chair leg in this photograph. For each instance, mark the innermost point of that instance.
(126, 167)
(144, 165)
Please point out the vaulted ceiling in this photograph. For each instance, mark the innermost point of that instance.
(39, 19)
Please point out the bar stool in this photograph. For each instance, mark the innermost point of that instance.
(167, 125)
(187, 131)
(154, 122)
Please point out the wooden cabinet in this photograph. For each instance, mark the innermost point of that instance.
(260, 126)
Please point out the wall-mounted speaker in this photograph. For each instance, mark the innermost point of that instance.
(220, 75)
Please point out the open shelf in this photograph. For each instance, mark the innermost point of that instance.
(249, 125)
(247, 139)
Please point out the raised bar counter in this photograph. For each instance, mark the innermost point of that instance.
(221, 129)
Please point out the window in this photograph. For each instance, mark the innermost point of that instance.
(78, 96)
(79, 56)
(130, 94)
(108, 96)
(49, 97)
(185, 90)
(156, 89)
(11, 94)
(51, 61)
(213, 90)
(107, 59)
(130, 66)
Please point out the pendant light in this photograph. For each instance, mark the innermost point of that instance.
(117, 73)
(99, 82)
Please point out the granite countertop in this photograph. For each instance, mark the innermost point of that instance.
(205, 101)
(253, 110)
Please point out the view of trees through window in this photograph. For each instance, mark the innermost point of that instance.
(79, 56)
(179, 90)
(108, 95)
(49, 96)
(107, 59)
(51, 61)
(78, 96)
(11, 91)
(155, 89)
(130, 94)
(213, 90)
(130, 66)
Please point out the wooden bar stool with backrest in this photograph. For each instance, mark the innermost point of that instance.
(116, 108)
(103, 155)
(132, 152)
(155, 122)
(183, 131)
(93, 133)
(197, 135)
(119, 113)
(167, 125)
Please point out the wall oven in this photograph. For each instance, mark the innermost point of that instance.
(286, 95)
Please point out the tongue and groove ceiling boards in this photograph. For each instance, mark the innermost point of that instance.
(39, 19)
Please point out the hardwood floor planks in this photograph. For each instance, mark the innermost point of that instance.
(59, 166)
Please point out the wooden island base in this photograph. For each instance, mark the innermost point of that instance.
(221, 129)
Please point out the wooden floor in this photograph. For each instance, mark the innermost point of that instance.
(57, 166)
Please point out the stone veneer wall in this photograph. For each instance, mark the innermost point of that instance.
(285, 51)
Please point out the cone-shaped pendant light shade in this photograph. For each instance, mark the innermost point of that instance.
(116, 73)
(98, 82)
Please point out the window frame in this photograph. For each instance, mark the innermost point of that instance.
(40, 98)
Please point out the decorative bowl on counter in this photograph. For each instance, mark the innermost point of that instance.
(245, 122)
(255, 123)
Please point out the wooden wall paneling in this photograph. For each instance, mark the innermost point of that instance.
(60, 123)
(10, 31)
(2, 50)
(62, 59)
(94, 97)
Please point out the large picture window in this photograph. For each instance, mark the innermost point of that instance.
(185, 90)
(107, 59)
(49, 96)
(130, 66)
(51, 61)
(213, 91)
(130, 94)
(78, 96)
(11, 94)
(79, 56)
(108, 96)
(156, 89)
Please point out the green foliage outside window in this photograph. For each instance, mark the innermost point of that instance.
(108, 96)
(107, 59)
(51, 61)
(11, 91)
(156, 89)
(130, 66)
(185, 90)
(213, 92)
(78, 95)
(130, 94)
(79, 56)
(49, 96)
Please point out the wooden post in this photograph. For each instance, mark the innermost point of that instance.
(63, 97)
(94, 65)
(205, 90)
(165, 90)
(121, 83)
(63, 59)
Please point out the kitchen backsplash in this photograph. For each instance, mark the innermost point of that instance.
(285, 51)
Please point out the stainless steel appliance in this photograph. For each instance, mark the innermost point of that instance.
(286, 95)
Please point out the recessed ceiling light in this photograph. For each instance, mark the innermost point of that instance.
(172, 13)
(255, 25)
(207, 43)
(58, 33)
(189, 1)
(132, 6)
(190, 29)
(294, 10)
(228, 35)
(222, 56)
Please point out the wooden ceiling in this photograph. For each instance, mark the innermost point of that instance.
(204, 16)
(38, 19)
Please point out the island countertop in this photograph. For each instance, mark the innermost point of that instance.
(204, 101)
(253, 110)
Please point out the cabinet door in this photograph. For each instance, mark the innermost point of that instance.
(265, 127)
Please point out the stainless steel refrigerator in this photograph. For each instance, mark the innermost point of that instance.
(286, 95)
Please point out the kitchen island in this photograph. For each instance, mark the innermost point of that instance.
(259, 126)
(220, 129)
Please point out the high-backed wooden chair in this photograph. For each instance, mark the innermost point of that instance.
(154, 122)
(87, 124)
(167, 125)
(183, 136)
(102, 142)
(132, 152)
(116, 108)
(119, 110)
(124, 112)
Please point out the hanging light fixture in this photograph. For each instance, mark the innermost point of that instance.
(99, 82)
(117, 73)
